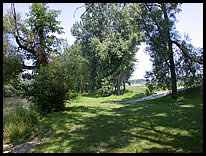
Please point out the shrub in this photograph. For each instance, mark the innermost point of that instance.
(9, 91)
(52, 85)
(106, 86)
(148, 92)
(20, 125)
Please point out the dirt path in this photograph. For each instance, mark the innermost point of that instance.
(154, 96)
(25, 148)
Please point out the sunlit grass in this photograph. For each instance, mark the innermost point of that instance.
(93, 123)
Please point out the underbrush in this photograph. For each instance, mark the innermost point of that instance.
(20, 125)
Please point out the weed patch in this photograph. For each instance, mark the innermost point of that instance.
(20, 125)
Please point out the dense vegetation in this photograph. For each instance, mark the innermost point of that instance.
(98, 64)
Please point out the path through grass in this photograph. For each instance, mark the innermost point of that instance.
(93, 123)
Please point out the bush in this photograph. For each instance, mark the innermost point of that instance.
(106, 86)
(50, 88)
(10, 91)
(20, 125)
(148, 92)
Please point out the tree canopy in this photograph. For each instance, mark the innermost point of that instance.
(102, 58)
(168, 52)
(34, 34)
(109, 42)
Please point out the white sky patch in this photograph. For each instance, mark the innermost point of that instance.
(144, 64)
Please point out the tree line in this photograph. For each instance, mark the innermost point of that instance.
(102, 57)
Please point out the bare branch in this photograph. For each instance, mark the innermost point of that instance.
(88, 8)
(76, 10)
(16, 32)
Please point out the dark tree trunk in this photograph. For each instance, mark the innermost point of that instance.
(118, 85)
(173, 74)
(174, 82)
(171, 57)
(124, 86)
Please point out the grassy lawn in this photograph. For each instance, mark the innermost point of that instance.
(93, 123)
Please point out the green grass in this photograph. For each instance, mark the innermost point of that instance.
(93, 123)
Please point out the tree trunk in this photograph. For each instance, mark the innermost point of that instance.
(171, 57)
(118, 85)
(174, 82)
(173, 74)
(124, 86)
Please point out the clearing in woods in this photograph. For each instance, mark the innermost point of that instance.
(96, 124)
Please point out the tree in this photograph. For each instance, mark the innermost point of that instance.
(108, 41)
(73, 56)
(157, 20)
(33, 36)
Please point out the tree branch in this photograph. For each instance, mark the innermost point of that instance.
(21, 46)
(153, 18)
(77, 9)
(16, 32)
(88, 8)
(147, 31)
(183, 49)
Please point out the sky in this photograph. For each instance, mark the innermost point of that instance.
(190, 21)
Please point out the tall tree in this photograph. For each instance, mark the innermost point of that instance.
(34, 35)
(73, 56)
(108, 42)
(158, 22)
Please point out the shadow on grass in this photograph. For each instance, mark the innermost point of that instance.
(149, 127)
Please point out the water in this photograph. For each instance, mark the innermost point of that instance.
(11, 103)
(135, 84)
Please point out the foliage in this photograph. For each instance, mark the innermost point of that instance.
(172, 57)
(188, 71)
(11, 58)
(107, 86)
(9, 91)
(108, 41)
(158, 25)
(54, 84)
(43, 22)
(20, 125)
(150, 90)
(12, 66)
(34, 35)
(73, 56)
